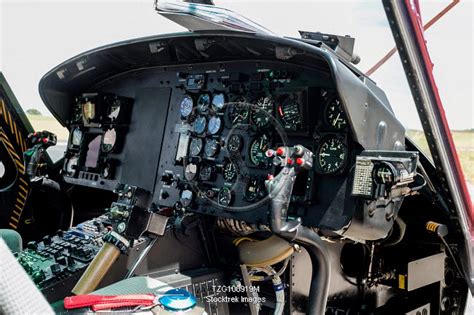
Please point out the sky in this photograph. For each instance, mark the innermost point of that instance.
(37, 35)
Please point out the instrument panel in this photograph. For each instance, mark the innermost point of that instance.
(216, 123)
(98, 127)
(224, 127)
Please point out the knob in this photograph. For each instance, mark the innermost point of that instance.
(32, 245)
(61, 260)
(69, 260)
(55, 269)
(47, 240)
(167, 179)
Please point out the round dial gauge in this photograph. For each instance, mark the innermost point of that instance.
(211, 148)
(196, 146)
(334, 115)
(70, 165)
(191, 171)
(203, 102)
(186, 106)
(239, 112)
(332, 155)
(258, 148)
(218, 100)
(384, 173)
(289, 113)
(186, 197)
(262, 115)
(229, 171)
(214, 125)
(224, 197)
(76, 137)
(114, 110)
(234, 144)
(206, 173)
(108, 141)
(200, 124)
(252, 190)
(238, 115)
(88, 111)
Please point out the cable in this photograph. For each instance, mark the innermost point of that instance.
(278, 286)
(451, 254)
(140, 258)
(420, 186)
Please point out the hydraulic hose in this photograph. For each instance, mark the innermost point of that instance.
(321, 268)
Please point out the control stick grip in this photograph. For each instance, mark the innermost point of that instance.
(114, 244)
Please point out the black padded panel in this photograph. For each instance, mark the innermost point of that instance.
(143, 148)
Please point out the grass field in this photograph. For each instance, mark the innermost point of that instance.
(464, 141)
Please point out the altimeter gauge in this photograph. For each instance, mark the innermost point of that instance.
(332, 155)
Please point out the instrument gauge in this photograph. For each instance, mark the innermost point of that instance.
(206, 173)
(258, 149)
(334, 115)
(191, 171)
(262, 115)
(200, 124)
(88, 111)
(76, 137)
(234, 144)
(108, 141)
(224, 198)
(114, 110)
(289, 113)
(186, 197)
(332, 154)
(203, 102)
(229, 171)
(186, 106)
(71, 165)
(214, 125)
(239, 112)
(195, 147)
(384, 173)
(253, 190)
(218, 100)
(211, 148)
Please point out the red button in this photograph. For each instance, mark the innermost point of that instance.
(289, 161)
(280, 151)
(270, 153)
(299, 161)
(45, 140)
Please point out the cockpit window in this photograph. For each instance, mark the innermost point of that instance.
(363, 20)
(41, 119)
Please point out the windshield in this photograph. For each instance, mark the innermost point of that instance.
(450, 48)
